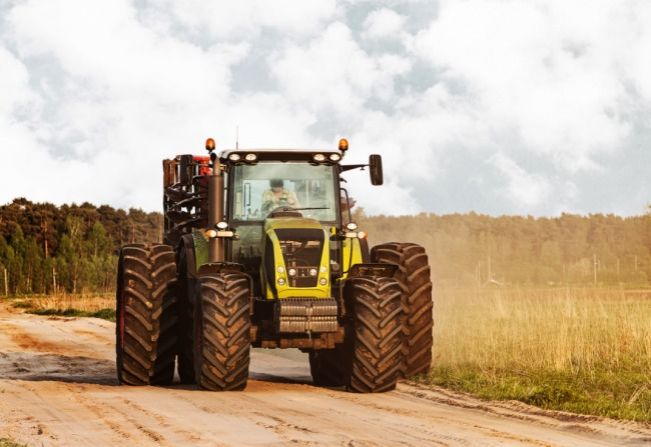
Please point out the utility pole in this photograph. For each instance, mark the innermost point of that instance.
(594, 269)
(490, 273)
(54, 279)
(6, 284)
(479, 274)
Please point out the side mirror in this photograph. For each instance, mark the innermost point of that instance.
(375, 169)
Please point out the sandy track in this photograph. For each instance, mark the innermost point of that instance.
(58, 387)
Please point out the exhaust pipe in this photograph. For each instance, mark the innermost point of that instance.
(216, 252)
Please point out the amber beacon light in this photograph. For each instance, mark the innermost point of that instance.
(210, 144)
(343, 145)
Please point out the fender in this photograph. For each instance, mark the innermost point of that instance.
(371, 269)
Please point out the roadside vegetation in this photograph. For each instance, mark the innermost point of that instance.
(4, 442)
(65, 305)
(581, 350)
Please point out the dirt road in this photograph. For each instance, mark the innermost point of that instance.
(58, 387)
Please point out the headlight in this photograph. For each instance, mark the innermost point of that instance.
(323, 281)
(351, 226)
(281, 269)
(281, 281)
(291, 272)
(313, 272)
(335, 157)
(251, 157)
(210, 233)
(319, 158)
(234, 157)
(324, 269)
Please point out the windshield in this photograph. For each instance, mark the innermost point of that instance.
(259, 189)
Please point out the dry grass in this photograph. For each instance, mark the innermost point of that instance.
(82, 302)
(82, 305)
(584, 350)
(560, 329)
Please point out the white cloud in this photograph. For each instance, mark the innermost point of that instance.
(383, 23)
(529, 69)
(243, 20)
(333, 74)
(100, 92)
(524, 189)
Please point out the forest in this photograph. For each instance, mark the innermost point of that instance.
(73, 248)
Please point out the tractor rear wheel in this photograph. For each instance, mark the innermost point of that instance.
(375, 342)
(222, 331)
(145, 314)
(413, 274)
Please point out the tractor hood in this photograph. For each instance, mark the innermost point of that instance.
(296, 258)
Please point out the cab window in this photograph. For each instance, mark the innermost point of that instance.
(259, 189)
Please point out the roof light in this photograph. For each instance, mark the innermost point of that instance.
(319, 158)
(222, 225)
(234, 157)
(210, 144)
(343, 145)
(250, 157)
(335, 157)
(351, 226)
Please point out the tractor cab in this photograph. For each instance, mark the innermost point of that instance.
(284, 208)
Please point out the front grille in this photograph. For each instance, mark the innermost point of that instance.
(302, 250)
(306, 315)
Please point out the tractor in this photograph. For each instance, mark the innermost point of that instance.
(260, 250)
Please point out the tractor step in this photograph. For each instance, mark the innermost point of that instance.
(306, 315)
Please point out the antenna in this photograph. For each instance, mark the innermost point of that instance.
(237, 137)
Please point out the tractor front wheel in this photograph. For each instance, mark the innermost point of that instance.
(375, 342)
(222, 327)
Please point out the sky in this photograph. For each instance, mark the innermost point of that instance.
(535, 107)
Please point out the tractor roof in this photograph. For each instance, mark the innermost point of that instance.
(277, 154)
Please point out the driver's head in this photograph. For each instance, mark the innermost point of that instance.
(276, 183)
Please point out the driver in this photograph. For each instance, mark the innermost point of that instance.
(277, 196)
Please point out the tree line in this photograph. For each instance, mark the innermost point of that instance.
(475, 249)
(73, 248)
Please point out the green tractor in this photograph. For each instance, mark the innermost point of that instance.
(260, 250)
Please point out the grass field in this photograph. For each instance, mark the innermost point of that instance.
(580, 350)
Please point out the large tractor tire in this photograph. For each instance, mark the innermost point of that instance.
(222, 331)
(413, 274)
(185, 311)
(145, 315)
(376, 337)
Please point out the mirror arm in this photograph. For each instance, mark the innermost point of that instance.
(344, 168)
